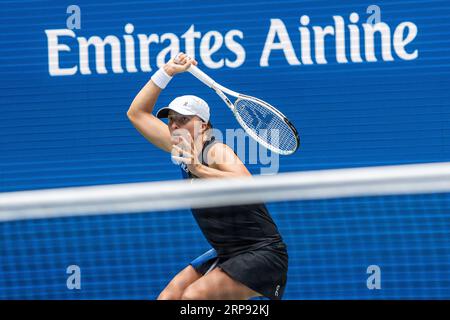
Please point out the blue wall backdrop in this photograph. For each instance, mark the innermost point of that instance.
(72, 130)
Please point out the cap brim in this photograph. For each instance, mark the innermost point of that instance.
(164, 112)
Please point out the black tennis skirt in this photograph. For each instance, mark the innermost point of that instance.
(263, 270)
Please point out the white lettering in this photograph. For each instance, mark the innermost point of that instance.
(400, 42)
(235, 47)
(320, 34)
(362, 39)
(99, 45)
(340, 39)
(53, 52)
(278, 29)
(206, 50)
(144, 46)
(385, 31)
(129, 49)
(189, 41)
(173, 48)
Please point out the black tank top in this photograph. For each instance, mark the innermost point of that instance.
(232, 230)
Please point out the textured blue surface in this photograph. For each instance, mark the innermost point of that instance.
(59, 131)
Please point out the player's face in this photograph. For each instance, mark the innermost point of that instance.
(192, 124)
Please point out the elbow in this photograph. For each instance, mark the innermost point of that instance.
(131, 114)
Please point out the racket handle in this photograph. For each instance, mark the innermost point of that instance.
(200, 75)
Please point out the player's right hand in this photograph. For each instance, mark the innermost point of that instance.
(179, 64)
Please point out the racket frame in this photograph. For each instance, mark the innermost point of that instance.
(219, 89)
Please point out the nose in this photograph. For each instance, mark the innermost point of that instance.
(174, 125)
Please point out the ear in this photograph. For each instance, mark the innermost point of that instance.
(204, 127)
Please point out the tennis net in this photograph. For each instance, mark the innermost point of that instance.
(361, 233)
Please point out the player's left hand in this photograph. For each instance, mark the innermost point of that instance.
(185, 151)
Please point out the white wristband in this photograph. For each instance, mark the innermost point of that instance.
(161, 78)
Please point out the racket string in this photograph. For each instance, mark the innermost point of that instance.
(269, 126)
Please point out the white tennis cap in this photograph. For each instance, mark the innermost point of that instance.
(187, 105)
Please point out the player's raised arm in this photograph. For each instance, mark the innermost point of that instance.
(140, 111)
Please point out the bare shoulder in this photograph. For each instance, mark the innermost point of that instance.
(220, 153)
(222, 157)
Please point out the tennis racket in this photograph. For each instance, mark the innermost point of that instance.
(260, 120)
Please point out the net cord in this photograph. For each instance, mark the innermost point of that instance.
(182, 194)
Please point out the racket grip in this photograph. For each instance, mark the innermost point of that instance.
(200, 75)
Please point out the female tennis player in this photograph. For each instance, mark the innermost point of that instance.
(248, 256)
